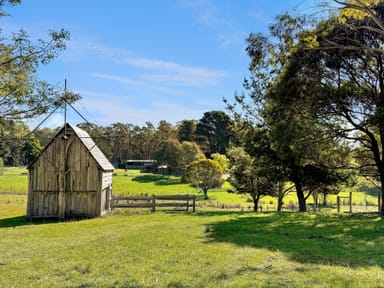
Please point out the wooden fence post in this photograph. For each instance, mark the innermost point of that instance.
(350, 202)
(153, 203)
(194, 204)
(338, 204)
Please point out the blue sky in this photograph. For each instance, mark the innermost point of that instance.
(147, 60)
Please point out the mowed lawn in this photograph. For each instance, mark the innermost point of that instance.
(204, 249)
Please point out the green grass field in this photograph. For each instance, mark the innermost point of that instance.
(211, 248)
(14, 180)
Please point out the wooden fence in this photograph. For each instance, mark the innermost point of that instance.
(153, 202)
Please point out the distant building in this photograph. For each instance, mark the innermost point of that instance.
(70, 178)
(142, 165)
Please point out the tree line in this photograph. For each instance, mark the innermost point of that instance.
(169, 144)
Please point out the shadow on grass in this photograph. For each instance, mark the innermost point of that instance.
(371, 191)
(350, 241)
(22, 221)
(157, 179)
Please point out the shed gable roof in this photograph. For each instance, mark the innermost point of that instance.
(90, 145)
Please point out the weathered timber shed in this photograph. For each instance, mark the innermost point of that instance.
(70, 178)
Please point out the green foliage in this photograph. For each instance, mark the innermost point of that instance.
(346, 66)
(247, 176)
(295, 142)
(12, 139)
(213, 132)
(31, 149)
(167, 153)
(186, 130)
(205, 174)
(187, 153)
(221, 159)
(23, 95)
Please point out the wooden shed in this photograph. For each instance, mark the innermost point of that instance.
(70, 178)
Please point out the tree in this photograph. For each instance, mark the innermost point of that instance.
(22, 94)
(142, 143)
(221, 159)
(258, 144)
(165, 131)
(247, 177)
(121, 140)
(347, 59)
(187, 153)
(12, 138)
(167, 153)
(278, 103)
(186, 130)
(31, 150)
(213, 132)
(44, 136)
(301, 140)
(270, 88)
(205, 174)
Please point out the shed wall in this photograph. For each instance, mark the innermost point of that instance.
(106, 191)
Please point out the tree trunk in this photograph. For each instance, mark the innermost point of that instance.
(325, 199)
(300, 197)
(315, 196)
(255, 202)
(205, 192)
(280, 197)
(279, 204)
(382, 193)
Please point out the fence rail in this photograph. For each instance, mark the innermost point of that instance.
(154, 202)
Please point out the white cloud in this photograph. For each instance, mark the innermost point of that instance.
(81, 48)
(216, 20)
(139, 85)
(112, 110)
(119, 79)
(171, 73)
(155, 71)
